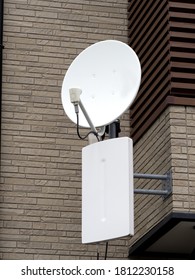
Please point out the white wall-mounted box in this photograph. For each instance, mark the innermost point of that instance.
(107, 190)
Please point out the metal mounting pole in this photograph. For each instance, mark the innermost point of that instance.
(167, 184)
(113, 129)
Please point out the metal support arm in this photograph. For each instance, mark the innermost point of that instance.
(87, 116)
(167, 184)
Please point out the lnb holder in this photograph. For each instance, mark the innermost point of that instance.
(76, 101)
(75, 95)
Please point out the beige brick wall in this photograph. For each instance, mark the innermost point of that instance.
(183, 158)
(152, 154)
(169, 144)
(41, 155)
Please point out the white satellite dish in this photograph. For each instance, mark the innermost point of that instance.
(108, 73)
(103, 81)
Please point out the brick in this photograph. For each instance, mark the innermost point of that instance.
(178, 109)
(9, 169)
(192, 205)
(46, 201)
(178, 205)
(178, 129)
(179, 162)
(44, 226)
(7, 244)
(18, 225)
(39, 152)
(20, 200)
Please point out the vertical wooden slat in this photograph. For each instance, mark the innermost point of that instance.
(149, 37)
(162, 33)
(182, 47)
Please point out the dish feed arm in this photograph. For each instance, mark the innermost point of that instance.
(75, 99)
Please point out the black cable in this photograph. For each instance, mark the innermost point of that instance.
(90, 132)
(106, 251)
(98, 254)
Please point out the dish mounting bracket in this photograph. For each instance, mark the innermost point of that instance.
(166, 180)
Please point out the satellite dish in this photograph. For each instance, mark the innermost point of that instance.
(108, 74)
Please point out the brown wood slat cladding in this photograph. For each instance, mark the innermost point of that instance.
(182, 48)
(162, 33)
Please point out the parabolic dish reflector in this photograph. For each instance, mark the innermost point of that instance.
(109, 75)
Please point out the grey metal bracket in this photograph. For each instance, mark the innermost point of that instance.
(167, 184)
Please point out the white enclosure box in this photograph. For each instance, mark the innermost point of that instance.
(107, 190)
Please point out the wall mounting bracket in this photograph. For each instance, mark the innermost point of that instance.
(167, 184)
